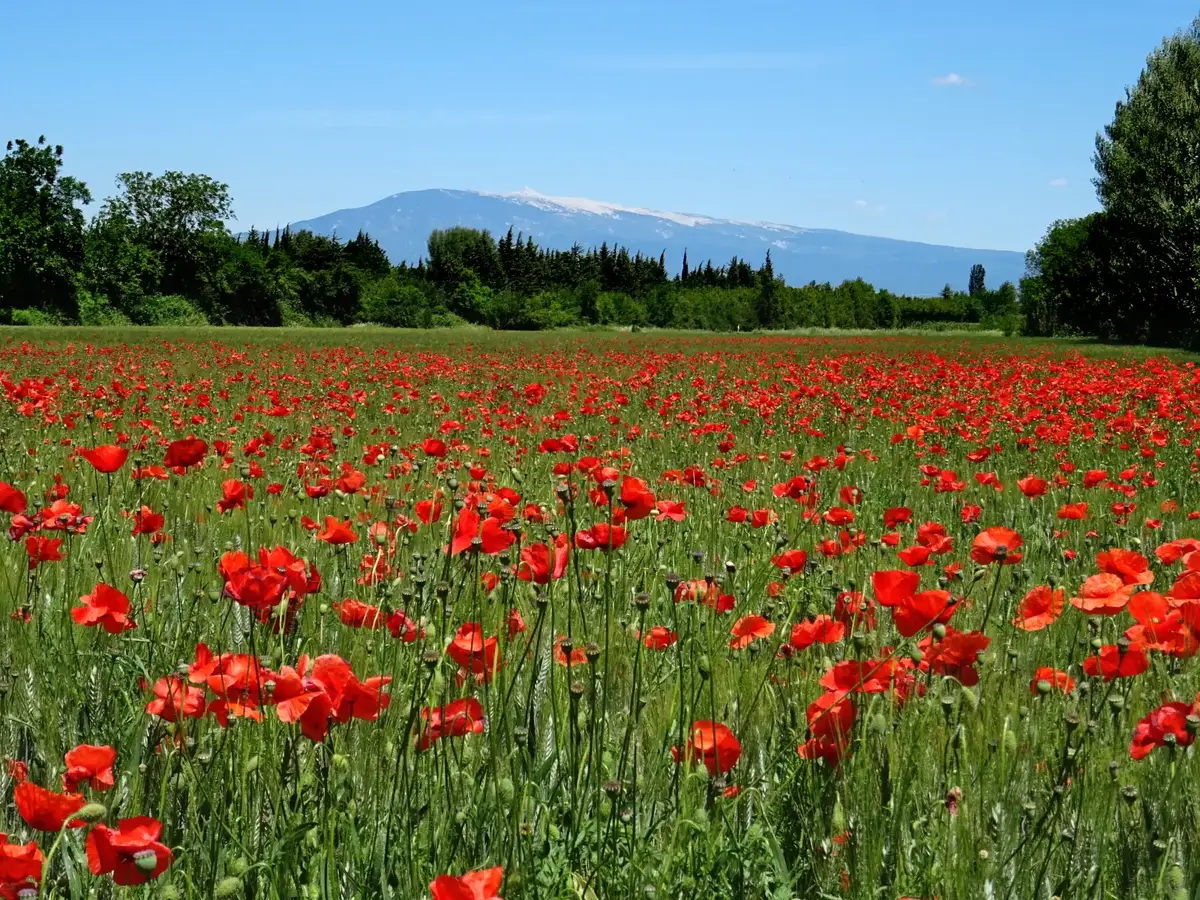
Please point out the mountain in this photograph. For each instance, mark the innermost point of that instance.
(402, 222)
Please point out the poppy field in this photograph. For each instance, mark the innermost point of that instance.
(592, 616)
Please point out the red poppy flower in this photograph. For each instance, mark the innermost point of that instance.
(1073, 512)
(455, 719)
(792, 560)
(175, 699)
(358, 615)
(481, 885)
(46, 810)
(1130, 566)
(11, 499)
(700, 589)
(830, 720)
(749, 629)
(914, 556)
(20, 864)
(896, 515)
(819, 630)
(41, 550)
(577, 656)
(234, 495)
(996, 545)
(107, 459)
(147, 521)
(1111, 663)
(131, 852)
(712, 744)
(403, 628)
(954, 655)
(104, 606)
(636, 498)
(324, 691)
(1168, 719)
(473, 652)
(434, 447)
(1039, 608)
(893, 585)
(601, 537)
(185, 452)
(428, 511)
(337, 533)
(90, 764)
(670, 509)
(540, 564)
(1103, 595)
(1032, 487)
(659, 638)
(1056, 679)
(917, 612)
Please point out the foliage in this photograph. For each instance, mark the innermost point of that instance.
(41, 229)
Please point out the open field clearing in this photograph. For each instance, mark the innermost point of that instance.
(467, 615)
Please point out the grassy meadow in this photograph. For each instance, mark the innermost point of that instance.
(580, 614)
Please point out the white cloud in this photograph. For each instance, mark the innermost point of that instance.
(1058, 182)
(867, 208)
(953, 80)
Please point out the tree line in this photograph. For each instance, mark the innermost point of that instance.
(158, 252)
(1131, 271)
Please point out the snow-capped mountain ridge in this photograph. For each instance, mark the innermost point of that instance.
(402, 223)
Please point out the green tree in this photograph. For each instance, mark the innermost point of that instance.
(977, 286)
(767, 305)
(1068, 280)
(172, 215)
(1148, 181)
(41, 229)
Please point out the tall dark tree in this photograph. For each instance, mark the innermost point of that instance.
(977, 286)
(41, 229)
(766, 304)
(1148, 180)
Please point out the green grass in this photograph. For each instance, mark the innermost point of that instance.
(986, 790)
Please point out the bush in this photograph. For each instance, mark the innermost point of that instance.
(31, 317)
(395, 305)
(170, 309)
(97, 310)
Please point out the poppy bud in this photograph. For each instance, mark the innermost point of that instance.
(612, 788)
(430, 658)
(1123, 644)
(452, 483)
(169, 892)
(592, 651)
(92, 812)
(1044, 687)
(137, 576)
(730, 566)
(1113, 768)
(1116, 702)
(577, 687)
(641, 600)
(704, 667)
(673, 581)
(340, 761)
(1072, 721)
(1097, 643)
(442, 590)
(939, 630)
(98, 563)
(227, 887)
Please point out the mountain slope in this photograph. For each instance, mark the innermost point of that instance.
(402, 222)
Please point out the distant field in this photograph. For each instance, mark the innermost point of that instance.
(593, 614)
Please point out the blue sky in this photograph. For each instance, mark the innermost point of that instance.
(949, 122)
